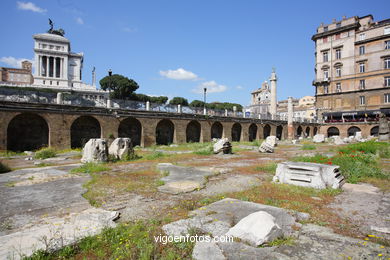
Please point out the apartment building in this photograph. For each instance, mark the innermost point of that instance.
(352, 69)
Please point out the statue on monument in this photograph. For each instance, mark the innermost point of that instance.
(59, 32)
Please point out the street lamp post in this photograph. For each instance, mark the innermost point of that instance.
(204, 101)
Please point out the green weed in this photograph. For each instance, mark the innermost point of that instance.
(45, 153)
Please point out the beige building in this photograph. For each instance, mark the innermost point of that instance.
(304, 108)
(261, 100)
(352, 65)
(17, 76)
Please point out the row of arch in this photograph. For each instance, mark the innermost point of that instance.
(29, 131)
(333, 131)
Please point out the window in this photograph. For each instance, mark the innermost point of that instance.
(387, 30)
(387, 81)
(387, 98)
(387, 63)
(338, 72)
(362, 67)
(325, 56)
(387, 45)
(338, 87)
(325, 28)
(362, 100)
(362, 84)
(338, 25)
(326, 74)
(362, 50)
(326, 90)
(362, 36)
(338, 54)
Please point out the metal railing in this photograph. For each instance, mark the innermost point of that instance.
(72, 99)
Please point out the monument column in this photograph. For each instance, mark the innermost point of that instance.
(273, 80)
(290, 112)
(54, 67)
(47, 66)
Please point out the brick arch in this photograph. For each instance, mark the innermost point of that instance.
(193, 131)
(299, 131)
(279, 132)
(266, 130)
(27, 131)
(132, 128)
(216, 130)
(352, 130)
(252, 132)
(165, 131)
(315, 130)
(82, 129)
(236, 132)
(332, 130)
(308, 131)
(374, 131)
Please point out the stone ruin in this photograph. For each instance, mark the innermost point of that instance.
(319, 138)
(267, 146)
(384, 131)
(222, 145)
(313, 175)
(121, 148)
(95, 150)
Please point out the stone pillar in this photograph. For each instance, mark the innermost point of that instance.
(273, 80)
(59, 98)
(179, 108)
(147, 105)
(109, 105)
(226, 112)
(227, 130)
(234, 111)
(148, 136)
(244, 132)
(290, 126)
(205, 132)
(179, 135)
(204, 111)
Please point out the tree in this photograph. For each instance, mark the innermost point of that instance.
(197, 103)
(121, 87)
(178, 101)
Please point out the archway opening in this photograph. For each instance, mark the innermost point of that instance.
(307, 131)
(236, 132)
(279, 132)
(164, 132)
(266, 131)
(131, 128)
(252, 132)
(27, 132)
(299, 131)
(193, 132)
(216, 130)
(374, 131)
(315, 130)
(352, 130)
(83, 129)
(332, 131)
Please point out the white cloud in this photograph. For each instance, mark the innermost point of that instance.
(239, 87)
(14, 62)
(212, 87)
(79, 20)
(28, 6)
(179, 74)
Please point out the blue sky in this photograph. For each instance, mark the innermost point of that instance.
(175, 48)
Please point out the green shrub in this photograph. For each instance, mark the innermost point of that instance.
(370, 147)
(309, 147)
(4, 168)
(90, 168)
(45, 153)
(155, 155)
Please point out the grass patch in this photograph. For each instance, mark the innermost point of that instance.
(269, 168)
(11, 153)
(289, 241)
(309, 147)
(133, 240)
(155, 155)
(354, 166)
(4, 168)
(208, 150)
(45, 153)
(370, 147)
(90, 168)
